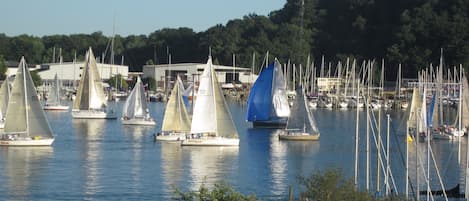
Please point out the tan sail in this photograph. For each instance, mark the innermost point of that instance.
(90, 93)
(414, 108)
(25, 114)
(176, 118)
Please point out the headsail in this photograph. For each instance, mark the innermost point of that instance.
(176, 117)
(136, 104)
(303, 118)
(414, 108)
(90, 93)
(25, 114)
(4, 97)
(54, 94)
(211, 114)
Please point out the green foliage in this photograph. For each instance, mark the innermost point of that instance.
(3, 68)
(400, 31)
(220, 192)
(37, 80)
(331, 186)
(150, 82)
(117, 81)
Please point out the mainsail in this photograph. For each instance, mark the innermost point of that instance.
(303, 118)
(136, 104)
(90, 93)
(4, 97)
(25, 114)
(211, 114)
(176, 117)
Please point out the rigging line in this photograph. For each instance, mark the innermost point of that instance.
(382, 149)
(427, 178)
(395, 137)
(438, 173)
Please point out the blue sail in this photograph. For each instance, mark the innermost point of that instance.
(430, 111)
(260, 96)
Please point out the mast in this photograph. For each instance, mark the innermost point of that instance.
(356, 138)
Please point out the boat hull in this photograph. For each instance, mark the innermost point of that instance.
(139, 122)
(210, 141)
(298, 136)
(27, 142)
(56, 107)
(170, 137)
(269, 124)
(91, 114)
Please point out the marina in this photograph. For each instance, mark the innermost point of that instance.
(105, 160)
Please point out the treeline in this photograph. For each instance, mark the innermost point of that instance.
(410, 32)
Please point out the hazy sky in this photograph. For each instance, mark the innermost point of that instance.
(48, 17)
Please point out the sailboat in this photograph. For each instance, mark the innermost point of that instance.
(53, 100)
(90, 102)
(4, 97)
(267, 103)
(211, 120)
(176, 121)
(463, 111)
(136, 110)
(26, 123)
(301, 124)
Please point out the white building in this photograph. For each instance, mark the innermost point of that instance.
(69, 71)
(190, 72)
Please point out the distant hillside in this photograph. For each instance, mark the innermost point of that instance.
(410, 32)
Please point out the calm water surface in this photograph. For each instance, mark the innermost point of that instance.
(104, 160)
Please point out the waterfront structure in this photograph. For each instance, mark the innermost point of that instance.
(190, 72)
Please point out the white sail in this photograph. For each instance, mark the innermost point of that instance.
(279, 92)
(302, 119)
(136, 104)
(203, 118)
(4, 98)
(176, 117)
(423, 113)
(211, 114)
(465, 102)
(54, 94)
(25, 114)
(90, 93)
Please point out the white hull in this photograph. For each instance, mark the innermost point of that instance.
(92, 114)
(343, 105)
(170, 137)
(210, 141)
(2, 124)
(27, 142)
(56, 107)
(140, 122)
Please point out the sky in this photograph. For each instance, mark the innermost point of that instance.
(131, 17)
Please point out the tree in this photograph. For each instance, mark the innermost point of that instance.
(150, 83)
(3, 68)
(117, 81)
(37, 80)
(221, 191)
